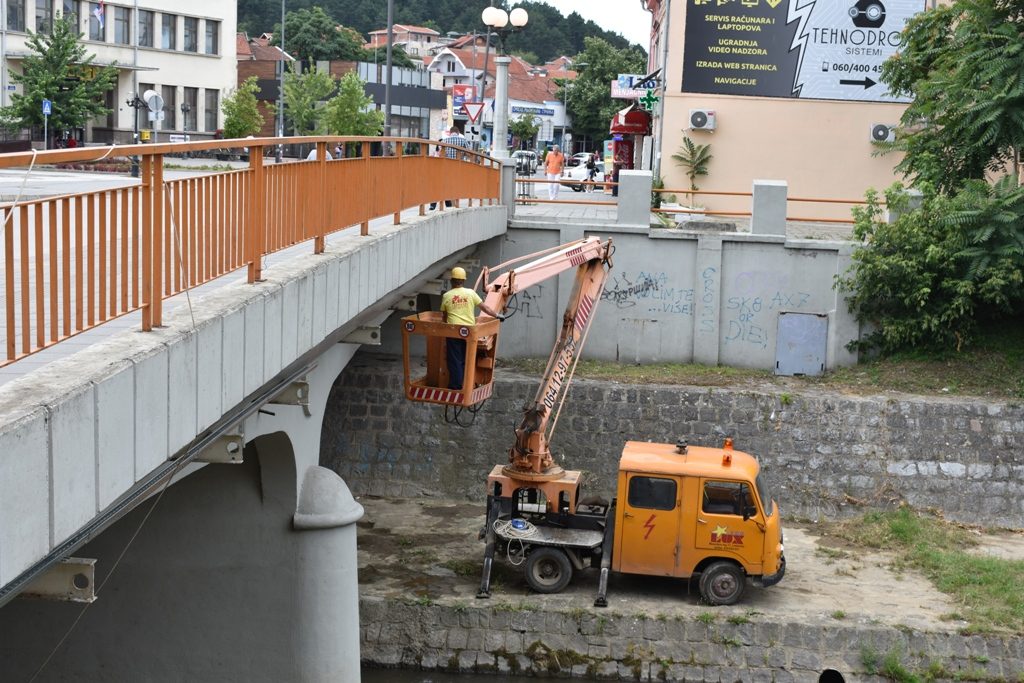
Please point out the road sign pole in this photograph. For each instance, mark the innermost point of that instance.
(46, 136)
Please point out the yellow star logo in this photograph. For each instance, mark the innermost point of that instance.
(720, 531)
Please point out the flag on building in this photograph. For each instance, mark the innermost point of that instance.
(100, 11)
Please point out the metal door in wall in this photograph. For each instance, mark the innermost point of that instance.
(802, 342)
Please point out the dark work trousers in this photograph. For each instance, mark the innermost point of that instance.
(456, 352)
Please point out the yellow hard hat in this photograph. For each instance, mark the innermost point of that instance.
(458, 273)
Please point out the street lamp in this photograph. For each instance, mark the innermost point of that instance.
(185, 109)
(498, 20)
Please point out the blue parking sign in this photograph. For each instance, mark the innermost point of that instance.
(47, 107)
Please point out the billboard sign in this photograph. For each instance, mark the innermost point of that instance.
(462, 94)
(807, 49)
(623, 87)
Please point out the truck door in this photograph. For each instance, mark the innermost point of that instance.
(721, 527)
(648, 536)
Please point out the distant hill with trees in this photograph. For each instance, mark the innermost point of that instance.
(548, 34)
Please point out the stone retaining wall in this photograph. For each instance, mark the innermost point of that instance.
(825, 455)
(504, 638)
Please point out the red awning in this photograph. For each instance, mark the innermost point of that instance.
(631, 121)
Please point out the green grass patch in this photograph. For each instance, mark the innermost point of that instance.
(992, 367)
(988, 590)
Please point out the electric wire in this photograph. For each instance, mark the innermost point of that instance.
(113, 568)
(504, 527)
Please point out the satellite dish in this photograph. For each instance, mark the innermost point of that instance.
(153, 100)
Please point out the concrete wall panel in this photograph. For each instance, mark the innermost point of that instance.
(253, 346)
(209, 375)
(24, 492)
(273, 361)
(233, 366)
(290, 319)
(115, 445)
(304, 322)
(332, 294)
(319, 300)
(182, 392)
(150, 411)
(73, 461)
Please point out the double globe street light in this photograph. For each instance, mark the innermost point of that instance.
(502, 23)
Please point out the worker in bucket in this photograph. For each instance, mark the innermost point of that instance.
(458, 306)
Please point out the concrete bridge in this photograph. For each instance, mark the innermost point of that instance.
(239, 564)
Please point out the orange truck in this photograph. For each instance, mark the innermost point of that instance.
(679, 511)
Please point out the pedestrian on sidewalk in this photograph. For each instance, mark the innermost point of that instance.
(456, 138)
(553, 164)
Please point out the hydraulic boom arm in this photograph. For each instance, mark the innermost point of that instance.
(530, 457)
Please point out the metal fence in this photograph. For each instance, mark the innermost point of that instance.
(75, 261)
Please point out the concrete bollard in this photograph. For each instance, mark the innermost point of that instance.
(508, 186)
(768, 208)
(634, 198)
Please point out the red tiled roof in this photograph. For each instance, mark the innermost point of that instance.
(408, 29)
(258, 49)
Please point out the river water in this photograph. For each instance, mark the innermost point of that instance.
(399, 676)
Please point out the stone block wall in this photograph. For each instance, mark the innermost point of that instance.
(824, 455)
(510, 639)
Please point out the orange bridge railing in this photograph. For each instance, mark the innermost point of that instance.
(74, 261)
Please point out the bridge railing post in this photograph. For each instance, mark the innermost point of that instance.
(319, 242)
(400, 156)
(364, 227)
(424, 153)
(152, 241)
(257, 226)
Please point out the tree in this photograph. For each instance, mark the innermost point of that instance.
(312, 36)
(303, 93)
(241, 111)
(694, 158)
(589, 98)
(524, 128)
(351, 111)
(963, 65)
(399, 57)
(58, 69)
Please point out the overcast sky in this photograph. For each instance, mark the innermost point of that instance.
(621, 16)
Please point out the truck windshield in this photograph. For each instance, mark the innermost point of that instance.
(765, 495)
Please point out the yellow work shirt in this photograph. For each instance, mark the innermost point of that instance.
(460, 305)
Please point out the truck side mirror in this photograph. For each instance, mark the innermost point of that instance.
(748, 512)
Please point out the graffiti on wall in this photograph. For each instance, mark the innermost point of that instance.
(651, 292)
(761, 292)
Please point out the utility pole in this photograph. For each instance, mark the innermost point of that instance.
(387, 80)
(280, 92)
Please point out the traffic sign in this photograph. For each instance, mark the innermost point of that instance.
(47, 107)
(473, 110)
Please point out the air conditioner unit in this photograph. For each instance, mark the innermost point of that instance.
(883, 132)
(702, 119)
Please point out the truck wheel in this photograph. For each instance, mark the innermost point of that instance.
(722, 583)
(548, 570)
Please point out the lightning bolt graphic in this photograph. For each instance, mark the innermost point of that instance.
(649, 526)
(799, 11)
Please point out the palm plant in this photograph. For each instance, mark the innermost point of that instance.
(695, 159)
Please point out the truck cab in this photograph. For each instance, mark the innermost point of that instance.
(686, 510)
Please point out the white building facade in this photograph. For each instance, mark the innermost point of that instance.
(182, 49)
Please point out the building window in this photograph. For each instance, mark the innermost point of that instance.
(212, 37)
(191, 109)
(145, 28)
(169, 32)
(170, 94)
(44, 16)
(122, 25)
(69, 12)
(450, 66)
(212, 108)
(191, 43)
(16, 15)
(96, 29)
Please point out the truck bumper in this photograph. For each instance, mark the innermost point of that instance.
(772, 579)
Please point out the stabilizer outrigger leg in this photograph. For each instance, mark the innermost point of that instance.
(493, 510)
(606, 558)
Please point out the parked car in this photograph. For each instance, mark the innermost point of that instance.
(526, 161)
(580, 173)
(577, 159)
